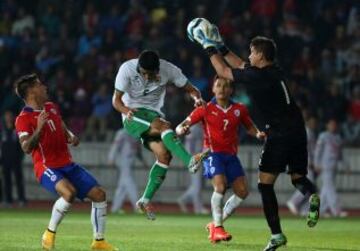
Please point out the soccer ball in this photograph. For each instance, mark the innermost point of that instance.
(197, 25)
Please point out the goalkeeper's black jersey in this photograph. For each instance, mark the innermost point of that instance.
(267, 88)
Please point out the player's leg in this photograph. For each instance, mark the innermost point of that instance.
(273, 161)
(216, 229)
(240, 189)
(174, 145)
(298, 162)
(156, 177)
(53, 181)
(271, 210)
(214, 169)
(235, 176)
(87, 187)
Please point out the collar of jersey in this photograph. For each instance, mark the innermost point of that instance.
(213, 100)
(30, 109)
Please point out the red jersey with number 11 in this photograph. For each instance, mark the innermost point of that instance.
(52, 150)
(221, 125)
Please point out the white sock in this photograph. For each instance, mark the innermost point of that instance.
(60, 208)
(98, 219)
(216, 208)
(231, 204)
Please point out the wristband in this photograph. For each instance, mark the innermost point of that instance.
(224, 50)
(211, 51)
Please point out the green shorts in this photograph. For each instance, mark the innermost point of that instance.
(140, 124)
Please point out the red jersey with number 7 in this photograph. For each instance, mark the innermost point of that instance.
(221, 125)
(52, 150)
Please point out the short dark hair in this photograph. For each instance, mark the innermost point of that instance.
(216, 77)
(266, 46)
(149, 60)
(23, 83)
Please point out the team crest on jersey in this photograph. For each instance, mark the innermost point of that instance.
(237, 113)
(137, 81)
(53, 110)
(53, 177)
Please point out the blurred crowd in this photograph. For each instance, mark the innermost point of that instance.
(77, 47)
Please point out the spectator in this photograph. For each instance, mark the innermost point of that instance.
(102, 106)
(328, 154)
(11, 159)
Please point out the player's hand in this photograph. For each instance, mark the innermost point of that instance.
(130, 114)
(203, 39)
(42, 119)
(261, 135)
(199, 102)
(74, 140)
(182, 130)
(214, 35)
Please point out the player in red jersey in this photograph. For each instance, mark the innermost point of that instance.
(221, 119)
(43, 133)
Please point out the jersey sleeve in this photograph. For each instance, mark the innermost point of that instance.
(245, 118)
(175, 74)
(196, 115)
(23, 126)
(122, 80)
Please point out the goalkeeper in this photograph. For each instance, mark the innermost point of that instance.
(139, 94)
(285, 148)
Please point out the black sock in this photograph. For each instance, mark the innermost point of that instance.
(270, 207)
(304, 185)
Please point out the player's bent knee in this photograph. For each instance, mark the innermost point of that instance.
(243, 194)
(165, 158)
(165, 126)
(98, 194)
(69, 194)
(220, 189)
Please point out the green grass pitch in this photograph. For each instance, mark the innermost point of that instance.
(21, 230)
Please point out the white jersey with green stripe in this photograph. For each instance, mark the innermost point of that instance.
(139, 93)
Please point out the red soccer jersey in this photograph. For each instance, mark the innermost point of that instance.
(221, 125)
(52, 150)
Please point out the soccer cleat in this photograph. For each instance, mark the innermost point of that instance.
(219, 234)
(48, 240)
(146, 209)
(313, 215)
(276, 242)
(210, 228)
(102, 245)
(196, 161)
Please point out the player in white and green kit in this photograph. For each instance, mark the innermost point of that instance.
(140, 88)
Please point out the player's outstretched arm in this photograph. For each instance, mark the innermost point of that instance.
(194, 93)
(233, 60)
(217, 61)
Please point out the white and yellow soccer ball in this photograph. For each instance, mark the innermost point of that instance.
(196, 27)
